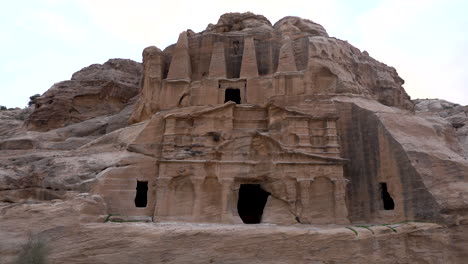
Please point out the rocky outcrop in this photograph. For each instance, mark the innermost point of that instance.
(12, 121)
(254, 50)
(94, 91)
(75, 232)
(293, 25)
(244, 122)
(417, 157)
(454, 114)
(240, 22)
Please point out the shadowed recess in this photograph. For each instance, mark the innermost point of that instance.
(232, 95)
(252, 200)
(141, 194)
(388, 202)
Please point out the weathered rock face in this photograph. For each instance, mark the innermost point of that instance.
(69, 229)
(291, 25)
(94, 91)
(294, 59)
(417, 157)
(12, 121)
(244, 122)
(240, 22)
(455, 114)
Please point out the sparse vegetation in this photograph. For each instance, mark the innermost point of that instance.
(366, 227)
(124, 221)
(32, 99)
(392, 228)
(120, 220)
(35, 251)
(2, 107)
(108, 218)
(352, 229)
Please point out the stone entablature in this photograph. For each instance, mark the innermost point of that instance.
(210, 159)
(208, 191)
(205, 131)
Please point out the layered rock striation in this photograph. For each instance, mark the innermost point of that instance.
(247, 47)
(94, 91)
(246, 122)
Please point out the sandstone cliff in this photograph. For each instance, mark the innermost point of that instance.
(96, 90)
(352, 170)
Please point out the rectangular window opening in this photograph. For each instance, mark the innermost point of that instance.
(387, 200)
(141, 198)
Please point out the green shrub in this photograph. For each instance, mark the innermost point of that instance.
(32, 99)
(352, 229)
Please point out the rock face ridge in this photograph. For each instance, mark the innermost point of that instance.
(94, 91)
(320, 139)
(322, 65)
(455, 114)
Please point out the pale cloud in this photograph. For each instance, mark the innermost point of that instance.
(422, 41)
(425, 40)
(57, 26)
(147, 22)
(46, 21)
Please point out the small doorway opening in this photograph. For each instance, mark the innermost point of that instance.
(232, 94)
(141, 198)
(252, 200)
(387, 199)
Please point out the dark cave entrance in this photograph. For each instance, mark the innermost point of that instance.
(252, 200)
(141, 198)
(387, 199)
(232, 94)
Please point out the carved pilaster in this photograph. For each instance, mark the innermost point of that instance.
(197, 187)
(341, 211)
(304, 188)
(162, 199)
(226, 198)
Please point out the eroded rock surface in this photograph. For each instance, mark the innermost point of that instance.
(94, 91)
(243, 123)
(455, 114)
(246, 46)
(71, 230)
(240, 22)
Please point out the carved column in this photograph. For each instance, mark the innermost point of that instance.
(162, 199)
(304, 188)
(341, 211)
(291, 191)
(197, 187)
(226, 196)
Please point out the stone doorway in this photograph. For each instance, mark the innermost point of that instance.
(252, 200)
(232, 94)
(388, 203)
(141, 198)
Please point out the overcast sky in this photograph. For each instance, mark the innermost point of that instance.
(45, 41)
